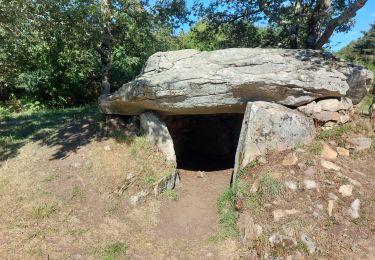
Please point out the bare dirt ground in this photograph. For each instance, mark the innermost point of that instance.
(192, 219)
(58, 200)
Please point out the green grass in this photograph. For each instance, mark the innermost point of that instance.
(336, 132)
(228, 216)
(50, 177)
(17, 128)
(270, 187)
(139, 144)
(170, 194)
(113, 251)
(149, 175)
(43, 211)
(315, 148)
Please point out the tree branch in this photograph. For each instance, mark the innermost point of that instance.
(334, 23)
(264, 7)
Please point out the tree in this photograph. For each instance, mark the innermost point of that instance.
(304, 23)
(105, 51)
(51, 51)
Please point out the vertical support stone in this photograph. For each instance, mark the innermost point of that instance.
(157, 133)
(269, 126)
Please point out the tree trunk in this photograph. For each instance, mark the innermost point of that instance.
(294, 29)
(315, 38)
(334, 23)
(105, 52)
(372, 110)
(315, 23)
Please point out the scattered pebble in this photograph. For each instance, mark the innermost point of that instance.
(328, 153)
(343, 152)
(255, 186)
(331, 205)
(136, 198)
(280, 213)
(346, 190)
(359, 143)
(291, 185)
(310, 244)
(201, 174)
(354, 208)
(329, 165)
(262, 160)
(333, 196)
(282, 240)
(310, 184)
(311, 171)
(290, 159)
(107, 148)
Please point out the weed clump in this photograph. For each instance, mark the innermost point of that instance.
(170, 194)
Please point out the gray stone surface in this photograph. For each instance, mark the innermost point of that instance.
(269, 126)
(157, 133)
(223, 81)
(337, 110)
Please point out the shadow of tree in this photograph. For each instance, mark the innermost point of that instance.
(67, 129)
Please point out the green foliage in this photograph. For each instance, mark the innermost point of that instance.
(50, 50)
(208, 36)
(336, 132)
(315, 148)
(113, 251)
(293, 24)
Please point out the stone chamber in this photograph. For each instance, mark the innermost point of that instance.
(205, 142)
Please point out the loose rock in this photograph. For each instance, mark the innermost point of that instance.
(248, 230)
(343, 152)
(331, 205)
(354, 208)
(359, 143)
(310, 184)
(310, 244)
(255, 186)
(291, 185)
(346, 190)
(333, 196)
(282, 240)
(311, 171)
(279, 213)
(328, 153)
(136, 198)
(290, 159)
(329, 165)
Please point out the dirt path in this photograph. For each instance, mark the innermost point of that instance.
(193, 218)
(194, 214)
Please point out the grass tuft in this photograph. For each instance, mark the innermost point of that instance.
(113, 251)
(228, 216)
(170, 194)
(43, 211)
(270, 187)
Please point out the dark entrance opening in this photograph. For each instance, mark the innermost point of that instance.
(205, 142)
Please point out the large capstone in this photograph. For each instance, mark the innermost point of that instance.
(223, 81)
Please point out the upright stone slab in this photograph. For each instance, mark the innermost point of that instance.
(269, 126)
(157, 133)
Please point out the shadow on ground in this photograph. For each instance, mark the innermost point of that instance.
(67, 129)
